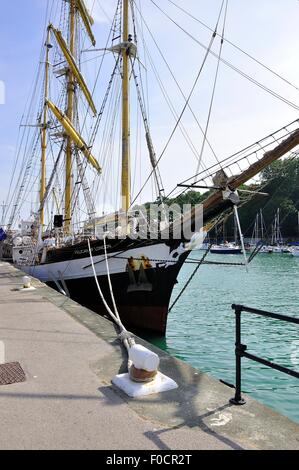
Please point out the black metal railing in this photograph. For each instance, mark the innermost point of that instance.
(241, 349)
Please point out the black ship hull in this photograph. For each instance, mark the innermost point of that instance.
(142, 306)
(142, 275)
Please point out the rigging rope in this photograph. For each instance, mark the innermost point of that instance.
(190, 279)
(143, 21)
(214, 89)
(236, 47)
(229, 64)
(124, 336)
(150, 145)
(203, 261)
(96, 127)
(261, 143)
(208, 51)
(94, 131)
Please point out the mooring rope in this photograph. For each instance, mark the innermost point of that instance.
(190, 278)
(125, 336)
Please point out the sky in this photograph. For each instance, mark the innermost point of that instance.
(242, 113)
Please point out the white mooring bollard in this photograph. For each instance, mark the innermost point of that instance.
(145, 364)
(143, 377)
(27, 284)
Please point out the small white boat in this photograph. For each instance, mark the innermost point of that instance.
(204, 247)
(266, 249)
(280, 249)
(226, 249)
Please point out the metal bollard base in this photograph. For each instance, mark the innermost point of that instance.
(236, 402)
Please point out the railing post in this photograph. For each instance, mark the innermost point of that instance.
(239, 348)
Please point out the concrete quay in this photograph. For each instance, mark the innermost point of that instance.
(69, 355)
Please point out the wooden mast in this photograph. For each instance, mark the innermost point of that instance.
(70, 115)
(44, 134)
(126, 177)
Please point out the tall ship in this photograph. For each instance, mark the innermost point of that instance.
(78, 156)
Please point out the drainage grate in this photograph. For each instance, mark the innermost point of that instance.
(11, 374)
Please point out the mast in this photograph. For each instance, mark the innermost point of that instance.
(126, 177)
(44, 133)
(262, 225)
(3, 214)
(279, 236)
(274, 232)
(70, 115)
(255, 231)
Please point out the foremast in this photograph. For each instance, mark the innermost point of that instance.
(67, 119)
(43, 181)
(126, 170)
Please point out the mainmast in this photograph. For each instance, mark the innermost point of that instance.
(126, 176)
(70, 116)
(44, 133)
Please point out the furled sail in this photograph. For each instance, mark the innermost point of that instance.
(74, 68)
(87, 20)
(74, 135)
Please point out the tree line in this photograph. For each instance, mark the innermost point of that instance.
(281, 182)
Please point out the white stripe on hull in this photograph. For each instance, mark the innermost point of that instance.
(81, 268)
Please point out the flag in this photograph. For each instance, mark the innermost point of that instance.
(3, 235)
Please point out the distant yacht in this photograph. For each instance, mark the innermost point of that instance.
(258, 235)
(259, 230)
(226, 249)
(266, 249)
(277, 240)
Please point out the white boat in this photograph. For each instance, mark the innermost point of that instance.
(258, 235)
(281, 249)
(226, 249)
(266, 249)
(277, 244)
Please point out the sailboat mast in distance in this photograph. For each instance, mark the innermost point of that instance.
(262, 225)
(126, 177)
(70, 115)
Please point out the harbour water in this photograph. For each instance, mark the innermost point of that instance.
(201, 326)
